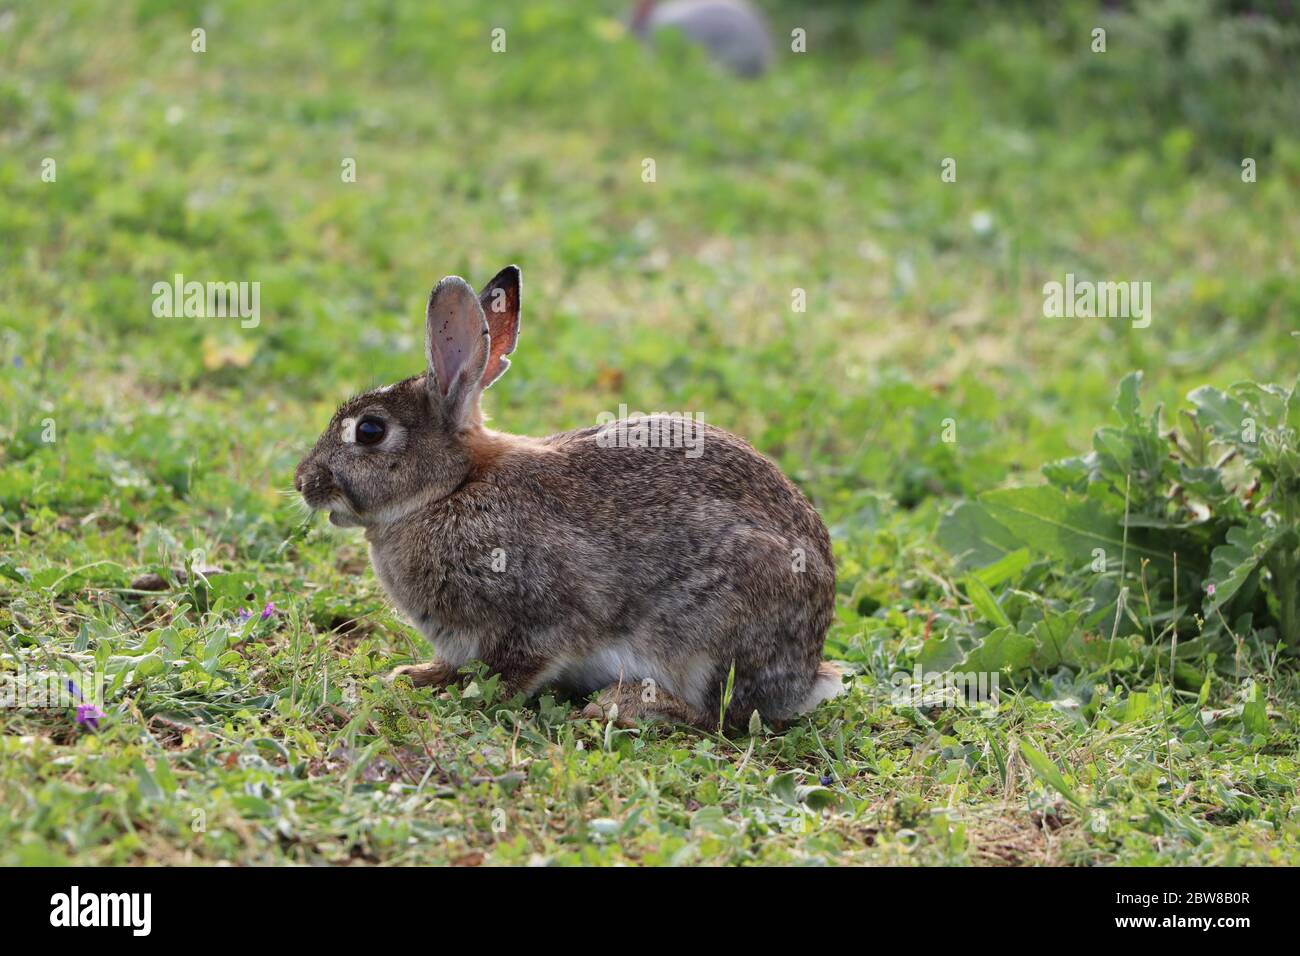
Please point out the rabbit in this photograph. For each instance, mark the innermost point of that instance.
(579, 562)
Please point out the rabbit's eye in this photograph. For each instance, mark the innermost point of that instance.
(370, 431)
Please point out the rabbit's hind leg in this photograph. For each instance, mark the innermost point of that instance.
(628, 702)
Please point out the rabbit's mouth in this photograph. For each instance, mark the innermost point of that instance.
(342, 516)
(343, 513)
(322, 490)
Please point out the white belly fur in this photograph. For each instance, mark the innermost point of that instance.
(618, 662)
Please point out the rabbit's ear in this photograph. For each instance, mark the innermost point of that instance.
(456, 342)
(500, 302)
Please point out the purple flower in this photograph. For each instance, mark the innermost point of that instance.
(1209, 589)
(244, 614)
(88, 715)
(827, 780)
(18, 361)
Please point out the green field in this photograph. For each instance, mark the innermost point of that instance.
(921, 374)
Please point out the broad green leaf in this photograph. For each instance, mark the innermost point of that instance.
(784, 787)
(815, 796)
(1135, 707)
(1233, 562)
(1128, 404)
(1000, 651)
(150, 666)
(1223, 416)
(939, 653)
(1051, 523)
(9, 570)
(974, 536)
(214, 648)
(1072, 474)
(1060, 638)
(1006, 568)
(1254, 712)
(984, 602)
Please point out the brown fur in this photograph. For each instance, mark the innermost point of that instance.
(625, 704)
(561, 562)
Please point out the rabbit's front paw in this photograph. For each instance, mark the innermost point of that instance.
(436, 673)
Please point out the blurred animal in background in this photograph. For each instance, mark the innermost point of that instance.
(734, 33)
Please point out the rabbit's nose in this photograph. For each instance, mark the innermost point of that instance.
(297, 482)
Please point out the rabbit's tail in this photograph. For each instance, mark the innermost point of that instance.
(827, 683)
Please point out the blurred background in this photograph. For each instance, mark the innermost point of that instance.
(823, 174)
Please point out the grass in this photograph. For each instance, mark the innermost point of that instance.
(133, 444)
